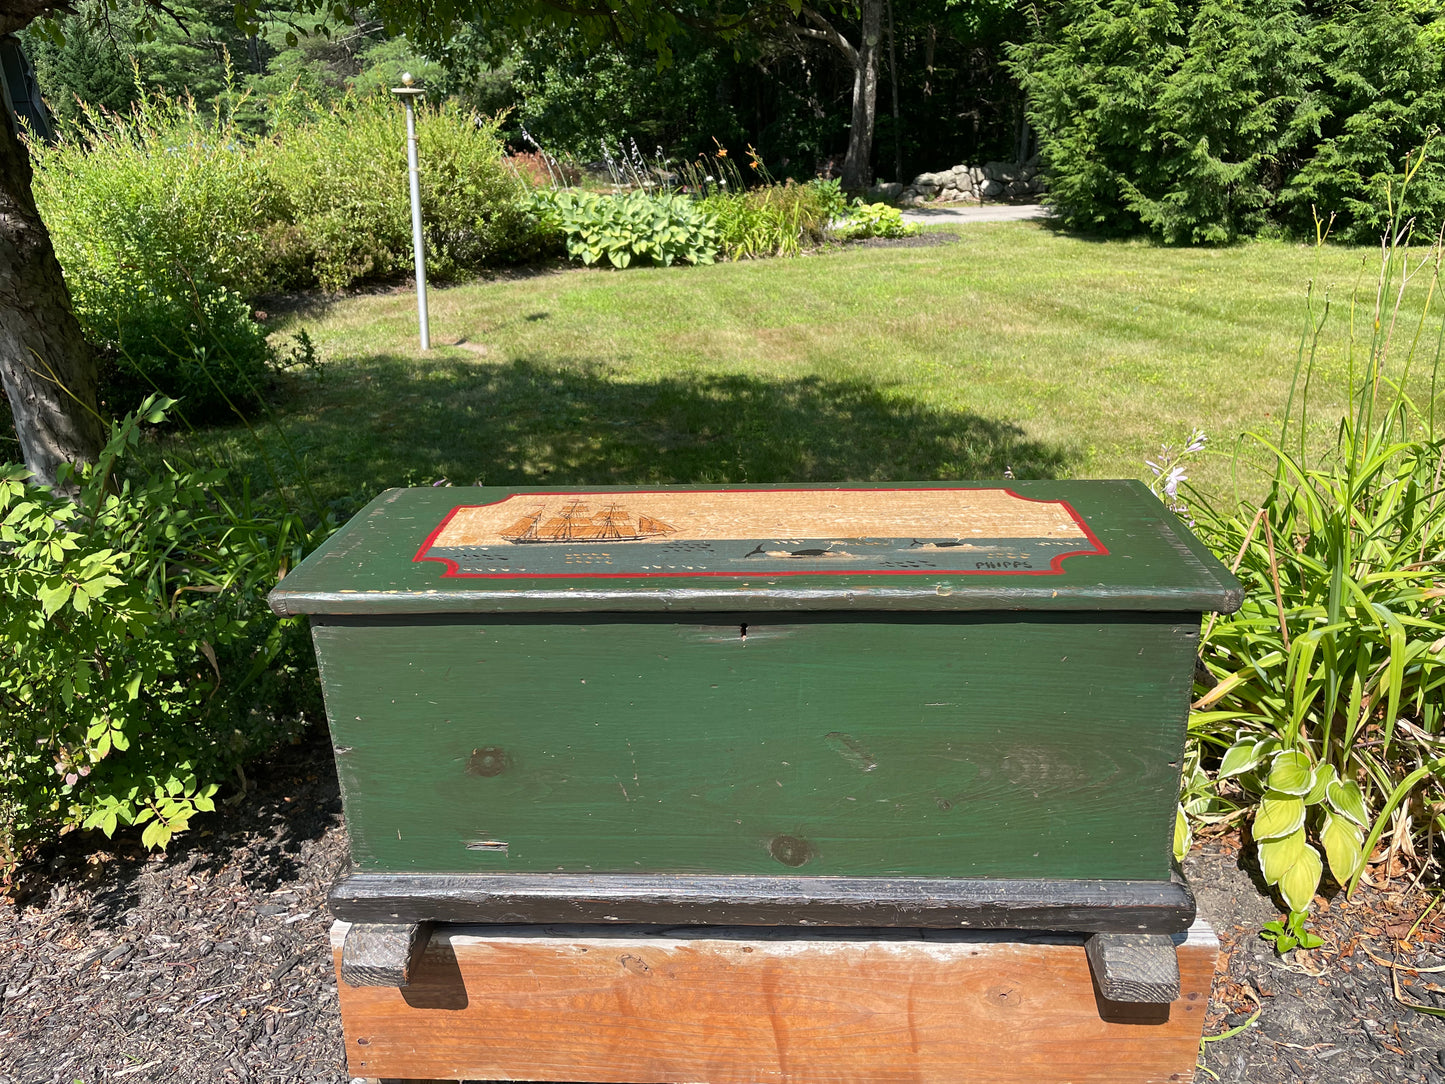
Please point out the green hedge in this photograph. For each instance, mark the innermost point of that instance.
(1208, 120)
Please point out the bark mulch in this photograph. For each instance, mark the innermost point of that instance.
(211, 962)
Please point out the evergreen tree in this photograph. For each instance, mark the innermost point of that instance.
(88, 67)
(1234, 109)
(1207, 120)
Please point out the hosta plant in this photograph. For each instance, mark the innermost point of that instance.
(873, 220)
(635, 227)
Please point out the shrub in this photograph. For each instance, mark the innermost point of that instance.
(1208, 120)
(344, 176)
(169, 222)
(873, 220)
(157, 219)
(139, 664)
(1325, 703)
(658, 229)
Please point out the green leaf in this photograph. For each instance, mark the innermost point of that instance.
(1291, 773)
(1278, 816)
(1299, 882)
(156, 835)
(1343, 842)
(1324, 776)
(1276, 856)
(1346, 799)
(1183, 837)
(54, 595)
(1239, 757)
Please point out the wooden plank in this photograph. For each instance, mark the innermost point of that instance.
(1134, 967)
(769, 1007)
(986, 745)
(382, 954)
(1133, 907)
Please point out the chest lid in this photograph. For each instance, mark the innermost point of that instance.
(935, 546)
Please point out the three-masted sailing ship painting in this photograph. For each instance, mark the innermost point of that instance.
(751, 532)
(577, 523)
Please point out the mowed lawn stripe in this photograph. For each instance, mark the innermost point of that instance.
(1012, 346)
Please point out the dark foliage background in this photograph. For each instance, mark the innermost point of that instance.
(789, 99)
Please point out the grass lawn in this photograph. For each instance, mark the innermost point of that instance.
(1013, 347)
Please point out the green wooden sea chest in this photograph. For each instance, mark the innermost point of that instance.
(928, 704)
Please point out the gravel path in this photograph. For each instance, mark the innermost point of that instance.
(211, 963)
(963, 212)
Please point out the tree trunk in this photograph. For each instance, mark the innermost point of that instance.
(857, 163)
(48, 368)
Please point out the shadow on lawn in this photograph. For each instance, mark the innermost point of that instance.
(566, 421)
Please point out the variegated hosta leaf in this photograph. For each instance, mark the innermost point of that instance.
(1346, 798)
(1291, 773)
(1324, 776)
(1276, 856)
(1278, 815)
(1344, 847)
(1183, 837)
(1239, 757)
(1298, 883)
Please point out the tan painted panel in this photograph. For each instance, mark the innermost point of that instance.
(705, 515)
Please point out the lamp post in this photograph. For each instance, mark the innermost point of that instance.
(408, 95)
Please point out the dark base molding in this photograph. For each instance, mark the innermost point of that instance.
(1153, 907)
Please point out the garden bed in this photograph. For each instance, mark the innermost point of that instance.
(211, 962)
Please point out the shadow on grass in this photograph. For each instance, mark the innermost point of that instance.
(386, 420)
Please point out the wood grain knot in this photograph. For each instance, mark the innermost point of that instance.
(636, 964)
(488, 761)
(1004, 997)
(790, 850)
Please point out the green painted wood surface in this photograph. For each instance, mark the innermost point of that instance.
(1153, 563)
(977, 745)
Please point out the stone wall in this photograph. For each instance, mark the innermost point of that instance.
(990, 181)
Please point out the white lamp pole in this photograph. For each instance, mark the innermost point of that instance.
(408, 94)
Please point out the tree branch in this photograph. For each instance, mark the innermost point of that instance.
(17, 14)
(827, 32)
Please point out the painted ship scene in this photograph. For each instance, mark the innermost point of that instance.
(576, 523)
(751, 532)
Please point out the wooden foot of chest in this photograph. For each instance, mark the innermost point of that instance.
(382, 954)
(745, 1005)
(1134, 967)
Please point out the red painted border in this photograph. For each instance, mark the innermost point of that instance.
(1056, 566)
